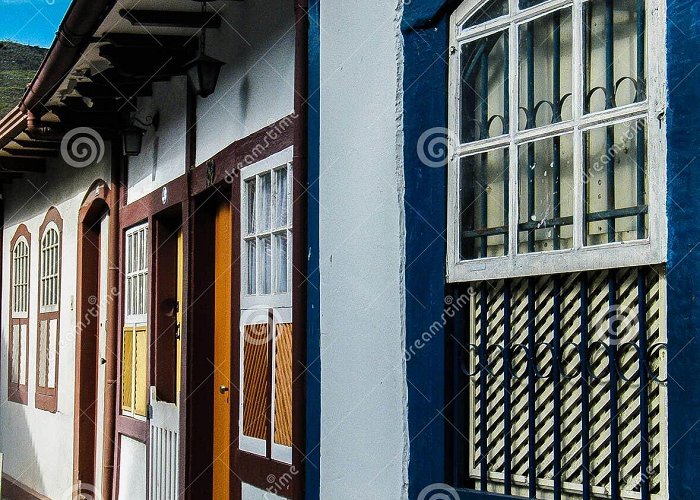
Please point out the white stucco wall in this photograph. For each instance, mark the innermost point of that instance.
(38, 445)
(145, 175)
(364, 441)
(256, 86)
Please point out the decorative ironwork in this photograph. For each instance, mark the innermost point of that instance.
(547, 362)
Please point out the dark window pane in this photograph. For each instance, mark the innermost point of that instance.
(546, 187)
(484, 204)
(486, 12)
(616, 183)
(484, 88)
(545, 70)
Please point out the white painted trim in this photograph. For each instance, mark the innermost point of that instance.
(580, 257)
(15, 313)
(136, 319)
(279, 452)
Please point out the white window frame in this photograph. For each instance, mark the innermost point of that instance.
(273, 299)
(136, 322)
(45, 279)
(275, 307)
(24, 282)
(651, 250)
(131, 319)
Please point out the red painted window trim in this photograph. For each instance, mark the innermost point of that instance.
(47, 398)
(18, 393)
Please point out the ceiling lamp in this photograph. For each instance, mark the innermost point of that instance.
(203, 70)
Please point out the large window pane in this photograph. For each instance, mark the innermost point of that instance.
(250, 198)
(251, 271)
(265, 265)
(484, 88)
(281, 267)
(484, 204)
(614, 49)
(545, 197)
(281, 197)
(265, 202)
(545, 50)
(616, 183)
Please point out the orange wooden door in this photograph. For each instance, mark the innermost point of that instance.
(222, 352)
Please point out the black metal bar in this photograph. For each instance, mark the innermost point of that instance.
(507, 425)
(613, 408)
(484, 157)
(610, 178)
(641, 66)
(477, 233)
(483, 362)
(609, 55)
(531, 342)
(641, 176)
(556, 379)
(556, 188)
(530, 48)
(586, 54)
(643, 382)
(585, 404)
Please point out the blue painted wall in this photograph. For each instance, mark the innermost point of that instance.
(424, 28)
(313, 318)
(683, 120)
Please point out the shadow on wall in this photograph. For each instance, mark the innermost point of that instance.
(16, 444)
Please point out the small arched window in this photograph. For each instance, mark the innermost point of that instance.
(48, 323)
(556, 145)
(18, 358)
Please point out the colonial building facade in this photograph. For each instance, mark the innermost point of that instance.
(426, 249)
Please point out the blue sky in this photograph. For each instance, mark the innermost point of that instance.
(33, 22)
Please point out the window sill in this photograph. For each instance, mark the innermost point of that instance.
(625, 254)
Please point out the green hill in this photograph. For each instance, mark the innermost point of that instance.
(18, 64)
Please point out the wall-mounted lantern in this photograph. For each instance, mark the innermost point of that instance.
(203, 71)
(132, 136)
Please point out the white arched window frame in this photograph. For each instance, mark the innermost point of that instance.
(20, 279)
(50, 269)
(502, 246)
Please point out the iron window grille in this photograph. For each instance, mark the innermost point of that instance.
(556, 137)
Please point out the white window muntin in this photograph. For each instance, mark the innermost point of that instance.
(20, 278)
(260, 230)
(49, 269)
(581, 257)
(136, 276)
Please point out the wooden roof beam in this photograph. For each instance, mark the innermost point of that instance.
(17, 165)
(172, 19)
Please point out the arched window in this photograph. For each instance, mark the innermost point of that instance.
(556, 137)
(19, 316)
(49, 311)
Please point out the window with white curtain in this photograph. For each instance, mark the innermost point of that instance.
(265, 404)
(556, 137)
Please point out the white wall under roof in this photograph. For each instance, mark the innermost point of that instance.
(364, 440)
(256, 86)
